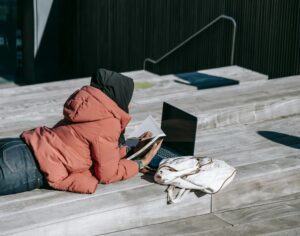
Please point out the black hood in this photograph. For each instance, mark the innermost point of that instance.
(115, 85)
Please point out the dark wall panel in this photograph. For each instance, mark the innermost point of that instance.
(268, 35)
(8, 30)
(179, 22)
(120, 34)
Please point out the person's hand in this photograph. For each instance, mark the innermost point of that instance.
(145, 136)
(143, 140)
(149, 156)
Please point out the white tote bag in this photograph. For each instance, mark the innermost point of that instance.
(189, 172)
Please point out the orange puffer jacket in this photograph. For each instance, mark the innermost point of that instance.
(82, 149)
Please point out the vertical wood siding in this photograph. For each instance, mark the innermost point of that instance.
(120, 34)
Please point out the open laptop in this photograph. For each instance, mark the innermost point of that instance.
(180, 128)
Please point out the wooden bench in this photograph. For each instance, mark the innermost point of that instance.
(263, 198)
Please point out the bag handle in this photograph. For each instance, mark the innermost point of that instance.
(171, 198)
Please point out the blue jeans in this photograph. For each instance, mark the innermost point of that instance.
(19, 170)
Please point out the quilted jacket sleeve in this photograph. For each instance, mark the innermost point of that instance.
(108, 163)
(123, 151)
(83, 182)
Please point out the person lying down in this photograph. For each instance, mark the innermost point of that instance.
(85, 148)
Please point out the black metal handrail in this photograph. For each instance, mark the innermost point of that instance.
(196, 34)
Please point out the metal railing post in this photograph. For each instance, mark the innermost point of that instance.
(196, 34)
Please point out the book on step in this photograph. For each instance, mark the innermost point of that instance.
(149, 124)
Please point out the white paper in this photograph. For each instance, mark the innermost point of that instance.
(149, 124)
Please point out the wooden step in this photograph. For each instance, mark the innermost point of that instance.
(265, 166)
(188, 226)
(268, 169)
(57, 92)
(138, 76)
(160, 83)
(259, 181)
(81, 216)
(216, 108)
(243, 139)
(235, 72)
(135, 207)
(5, 83)
(75, 214)
(258, 176)
(280, 218)
(65, 85)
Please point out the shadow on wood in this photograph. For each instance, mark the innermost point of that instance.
(284, 139)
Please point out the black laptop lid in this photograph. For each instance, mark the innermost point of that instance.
(180, 128)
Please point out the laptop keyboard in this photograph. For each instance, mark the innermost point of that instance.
(161, 154)
(164, 153)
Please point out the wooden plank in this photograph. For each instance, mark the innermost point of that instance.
(261, 88)
(133, 208)
(237, 139)
(240, 145)
(236, 72)
(159, 88)
(219, 115)
(244, 154)
(262, 212)
(215, 117)
(37, 97)
(58, 85)
(229, 138)
(272, 167)
(7, 85)
(283, 199)
(18, 127)
(186, 226)
(60, 94)
(159, 81)
(256, 154)
(242, 140)
(66, 85)
(289, 225)
(207, 103)
(230, 72)
(222, 141)
(279, 226)
(70, 86)
(229, 221)
(246, 145)
(56, 88)
(43, 198)
(140, 74)
(245, 174)
(256, 189)
(244, 137)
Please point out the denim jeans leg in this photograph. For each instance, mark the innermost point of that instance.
(18, 168)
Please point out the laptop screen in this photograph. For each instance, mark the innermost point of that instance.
(180, 128)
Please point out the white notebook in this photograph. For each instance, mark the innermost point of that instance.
(149, 124)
